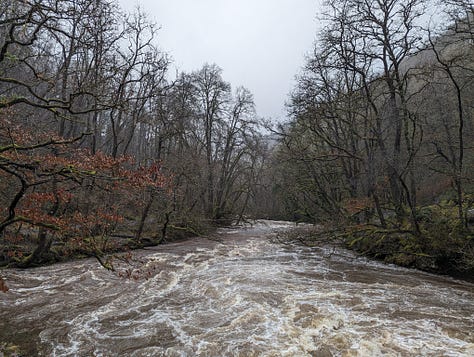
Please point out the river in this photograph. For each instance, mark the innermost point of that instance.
(239, 295)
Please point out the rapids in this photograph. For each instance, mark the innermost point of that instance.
(240, 295)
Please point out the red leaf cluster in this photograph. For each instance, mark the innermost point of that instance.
(69, 192)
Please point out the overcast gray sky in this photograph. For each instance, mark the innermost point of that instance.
(259, 44)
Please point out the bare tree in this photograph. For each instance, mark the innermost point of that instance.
(452, 51)
(213, 95)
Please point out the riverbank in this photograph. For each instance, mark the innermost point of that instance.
(27, 253)
(449, 256)
(402, 248)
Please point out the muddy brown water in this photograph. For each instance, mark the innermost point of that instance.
(243, 295)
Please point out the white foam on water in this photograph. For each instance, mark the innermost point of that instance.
(245, 296)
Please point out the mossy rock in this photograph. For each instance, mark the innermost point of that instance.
(402, 259)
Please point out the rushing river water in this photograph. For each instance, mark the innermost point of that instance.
(240, 296)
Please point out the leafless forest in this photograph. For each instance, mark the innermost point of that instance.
(102, 146)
